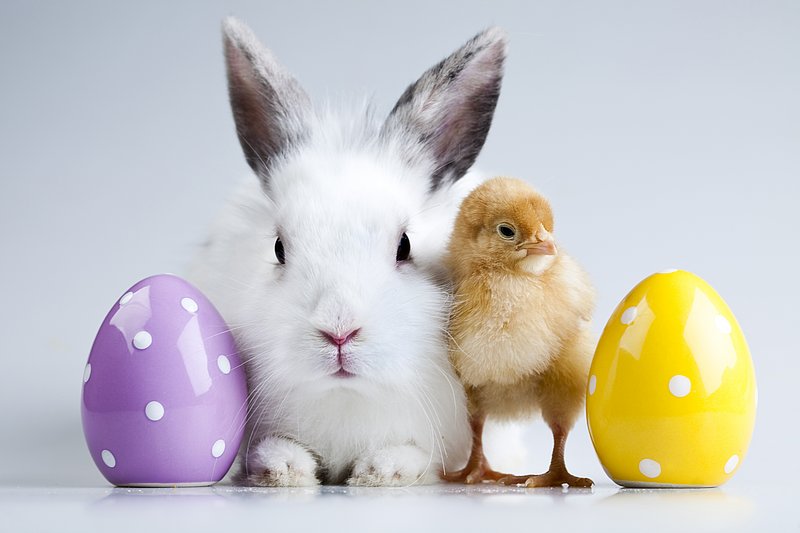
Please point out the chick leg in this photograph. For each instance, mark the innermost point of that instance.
(560, 392)
(557, 475)
(477, 469)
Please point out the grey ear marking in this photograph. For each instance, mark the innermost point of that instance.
(449, 109)
(270, 108)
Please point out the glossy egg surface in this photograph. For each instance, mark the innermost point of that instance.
(671, 397)
(164, 392)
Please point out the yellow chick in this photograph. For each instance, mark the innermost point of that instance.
(520, 337)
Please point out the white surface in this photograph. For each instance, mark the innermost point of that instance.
(665, 134)
(446, 508)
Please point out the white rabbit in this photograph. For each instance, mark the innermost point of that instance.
(326, 269)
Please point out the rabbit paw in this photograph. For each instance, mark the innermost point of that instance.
(395, 466)
(280, 462)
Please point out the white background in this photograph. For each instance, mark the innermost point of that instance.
(666, 134)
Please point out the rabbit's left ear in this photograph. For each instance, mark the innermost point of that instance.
(449, 109)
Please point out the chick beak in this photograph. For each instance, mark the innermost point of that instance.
(541, 244)
(539, 248)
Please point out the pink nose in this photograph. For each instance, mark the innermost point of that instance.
(339, 340)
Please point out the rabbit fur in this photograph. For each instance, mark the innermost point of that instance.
(339, 191)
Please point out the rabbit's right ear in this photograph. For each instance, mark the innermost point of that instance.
(448, 111)
(270, 108)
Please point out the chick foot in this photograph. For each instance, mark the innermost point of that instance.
(477, 469)
(551, 478)
(557, 475)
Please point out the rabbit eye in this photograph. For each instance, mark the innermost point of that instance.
(404, 248)
(279, 253)
(506, 231)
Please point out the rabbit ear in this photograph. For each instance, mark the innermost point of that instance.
(269, 106)
(450, 108)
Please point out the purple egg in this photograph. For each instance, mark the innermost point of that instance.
(164, 392)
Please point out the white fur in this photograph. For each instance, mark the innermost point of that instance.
(340, 209)
(339, 193)
(282, 462)
(399, 466)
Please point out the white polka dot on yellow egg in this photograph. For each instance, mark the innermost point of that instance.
(680, 386)
(592, 384)
(731, 464)
(649, 468)
(628, 316)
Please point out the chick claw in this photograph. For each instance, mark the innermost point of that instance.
(548, 479)
(474, 473)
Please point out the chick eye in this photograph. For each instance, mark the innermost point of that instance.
(279, 252)
(404, 248)
(507, 232)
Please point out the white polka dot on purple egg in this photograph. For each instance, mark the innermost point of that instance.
(224, 364)
(218, 448)
(125, 298)
(87, 372)
(142, 340)
(108, 458)
(154, 411)
(189, 304)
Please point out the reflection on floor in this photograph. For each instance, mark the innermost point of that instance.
(439, 508)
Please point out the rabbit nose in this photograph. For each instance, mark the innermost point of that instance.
(340, 340)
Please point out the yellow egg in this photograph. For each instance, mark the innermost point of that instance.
(671, 397)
